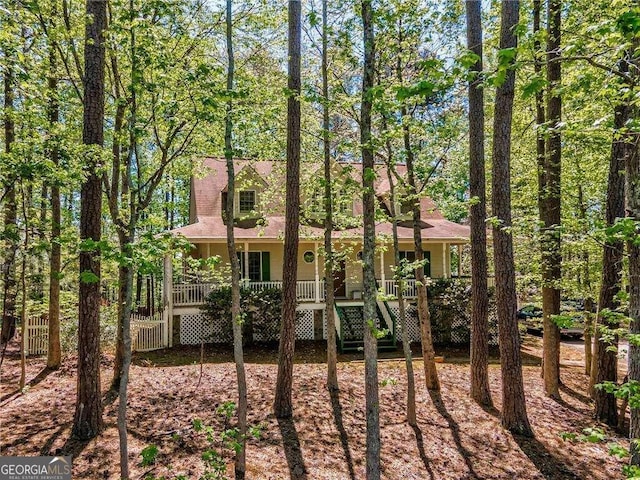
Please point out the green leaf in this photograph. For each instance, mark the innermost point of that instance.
(535, 85)
(89, 277)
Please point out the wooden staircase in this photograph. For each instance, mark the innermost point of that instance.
(351, 327)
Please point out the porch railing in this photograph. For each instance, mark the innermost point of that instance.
(390, 288)
(191, 294)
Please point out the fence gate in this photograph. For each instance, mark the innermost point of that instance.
(149, 333)
(37, 336)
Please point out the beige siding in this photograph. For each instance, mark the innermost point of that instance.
(307, 271)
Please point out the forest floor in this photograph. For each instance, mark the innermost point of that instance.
(455, 439)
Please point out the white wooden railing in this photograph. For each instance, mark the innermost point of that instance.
(306, 290)
(257, 286)
(390, 288)
(148, 333)
(191, 294)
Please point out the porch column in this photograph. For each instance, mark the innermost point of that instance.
(382, 275)
(245, 274)
(317, 277)
(444, 260)
(459, 260)
(167, 298)
(208, 250)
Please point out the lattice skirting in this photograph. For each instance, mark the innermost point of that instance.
(413, 325)
(194, 329)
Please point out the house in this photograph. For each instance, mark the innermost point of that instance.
(259, 219)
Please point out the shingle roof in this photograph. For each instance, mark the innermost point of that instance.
(209, 226)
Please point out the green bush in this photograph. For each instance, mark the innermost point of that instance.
(260, 311)
(450, 309)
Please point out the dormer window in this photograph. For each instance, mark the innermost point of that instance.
(246, 201)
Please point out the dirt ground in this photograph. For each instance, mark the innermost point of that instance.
(455, 438)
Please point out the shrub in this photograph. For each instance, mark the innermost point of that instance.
(260, 312)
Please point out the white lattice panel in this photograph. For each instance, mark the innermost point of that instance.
(304, 325)
(324, 323)
(194, 329)
(413, 324)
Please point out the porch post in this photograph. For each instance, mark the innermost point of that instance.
(245, 274)
(167, 298)
(382, 275)
(444, 260)
(208, 250)
(459, 260)
(317, 277)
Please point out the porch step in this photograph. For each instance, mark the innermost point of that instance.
(384, 345)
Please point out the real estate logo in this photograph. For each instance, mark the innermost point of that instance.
(35, 468)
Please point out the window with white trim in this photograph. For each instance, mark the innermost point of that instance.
(246, 201)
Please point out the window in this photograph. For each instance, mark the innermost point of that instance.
(247, 200)
(308, 257)
(409, 256)
(259, 267)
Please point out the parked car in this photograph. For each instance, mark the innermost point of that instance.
(531, 317)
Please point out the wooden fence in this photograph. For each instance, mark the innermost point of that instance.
(37, 336)
(147, 333)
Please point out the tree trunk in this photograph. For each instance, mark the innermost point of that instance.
(480, 390)
(54, 353)
(586, 287)
(633, 247)
(400, 284)
(514, 411)
(368, 253)
(606, 368)
(88, 414)
(332, 354)
(126, 291)
(10, 217)
(550, 208)
(632, 170)
(428, 354)
(238, 354)
(116, 167)
(283, 402)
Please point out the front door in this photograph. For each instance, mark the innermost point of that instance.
(339, 283)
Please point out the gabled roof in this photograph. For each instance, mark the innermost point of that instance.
(206, 206)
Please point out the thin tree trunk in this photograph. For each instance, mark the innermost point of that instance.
(332, 354)
(428, 354)
(88, 414)
(23, 288)
(550, 208)
(54, 355)
(125, 275)
(283, 402)
(400, 285)
(238, 354)
(586, 287)
(368, 253)
(514, 411)
(480, 390)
